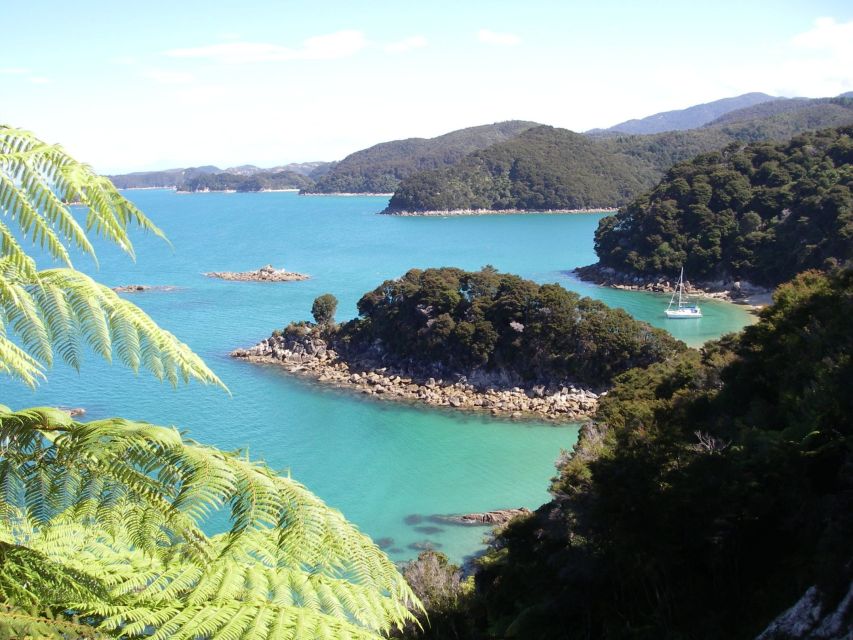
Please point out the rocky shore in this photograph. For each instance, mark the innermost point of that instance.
(489, 212)
(738, 292)
(312, 357)
(267, 273)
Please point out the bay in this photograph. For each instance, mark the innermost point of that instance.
(388, 467)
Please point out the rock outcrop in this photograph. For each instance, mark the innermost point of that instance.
(313, 357)
(813, 617)
(266, 273)
(498, 516)
(730, 291)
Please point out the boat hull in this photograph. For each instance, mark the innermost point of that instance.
(683, 314)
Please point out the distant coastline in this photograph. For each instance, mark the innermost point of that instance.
(173, 188)
(492, 212)
(346, 193)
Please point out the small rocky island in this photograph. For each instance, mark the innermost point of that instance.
(266, 273)
(476, 341)
(141, 288)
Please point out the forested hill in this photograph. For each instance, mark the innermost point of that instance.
(541, 169)
(691, 117)
(547, 168)
(183, 179)
(760, 212)
(256, 181)
(380, 168)
(485, 322)
(712, 492)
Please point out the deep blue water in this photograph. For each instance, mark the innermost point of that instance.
(380, 463)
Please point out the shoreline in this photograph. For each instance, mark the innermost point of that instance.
(491, 212)
(312, 358)
(172, 188)
(741, 293)
(347, 194)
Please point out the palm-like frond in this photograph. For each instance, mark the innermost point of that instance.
(38, 181)
(61, 311)
(124, 502)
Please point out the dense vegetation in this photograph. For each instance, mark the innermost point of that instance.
(488, 321)
(762, 212)
(541, 169)
(712, 491)
(253, 182)
(547, 168)
(380, 168)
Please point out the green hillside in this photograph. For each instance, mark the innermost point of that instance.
(547, 168)
(711, 492)
(761, 212)
(258, 181)
(380, 168)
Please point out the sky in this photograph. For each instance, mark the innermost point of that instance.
(155, 85)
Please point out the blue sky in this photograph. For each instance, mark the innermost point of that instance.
(136, 86)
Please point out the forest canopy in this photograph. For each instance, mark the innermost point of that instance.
(761, 212)
(496, 322)
(711, 492)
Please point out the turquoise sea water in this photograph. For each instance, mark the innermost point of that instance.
(388, 467)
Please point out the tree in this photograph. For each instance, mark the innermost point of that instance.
(102, 523)
(324, 308)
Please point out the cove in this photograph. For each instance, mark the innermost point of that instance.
(387, 467)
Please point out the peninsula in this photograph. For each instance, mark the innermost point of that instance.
(740, 221)
(478, 341)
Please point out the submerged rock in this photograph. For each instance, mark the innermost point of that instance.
(429, 530)
(384, 543)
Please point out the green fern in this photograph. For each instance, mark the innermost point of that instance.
(60, 310)
(116, 508)
(102, 524)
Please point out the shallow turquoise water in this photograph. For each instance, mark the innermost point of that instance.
(380, 463)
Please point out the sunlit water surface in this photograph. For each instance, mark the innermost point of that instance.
(388, 467)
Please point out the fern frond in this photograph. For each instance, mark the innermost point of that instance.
(127, 502)
(60, 310)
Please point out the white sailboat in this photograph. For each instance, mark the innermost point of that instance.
(683, 308)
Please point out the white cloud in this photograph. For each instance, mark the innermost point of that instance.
(125, 60)
(14, 70)
(340, 44)
(39, 80)
(415, 42)
(827, 35)
(164, 76)
(494, 37)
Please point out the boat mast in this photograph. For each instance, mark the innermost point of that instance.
(680, 286)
